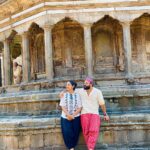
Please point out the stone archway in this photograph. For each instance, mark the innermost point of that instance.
(15, 44)
(68, 48)
(107, 39)
(37, 52)
(140, 33)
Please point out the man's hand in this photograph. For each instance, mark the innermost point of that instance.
(61, 94)
(106, 118)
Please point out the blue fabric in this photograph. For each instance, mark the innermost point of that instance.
(70, 131)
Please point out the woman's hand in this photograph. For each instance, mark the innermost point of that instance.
(70, 117)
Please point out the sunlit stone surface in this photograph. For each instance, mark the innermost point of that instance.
(55, 41)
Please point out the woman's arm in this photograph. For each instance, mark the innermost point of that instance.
(77, 112)
(69, 117)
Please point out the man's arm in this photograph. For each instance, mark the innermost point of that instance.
(102, 105)
(61, 94)
(106, 117)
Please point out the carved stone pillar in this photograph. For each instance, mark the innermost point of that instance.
(26, 58)
(88, 48)
(2, 70)
(121, 54)
(7, 67)
(127, 48)
(141, 48)
(68, 57)
(48, 52)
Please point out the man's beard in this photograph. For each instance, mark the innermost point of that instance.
(86, 87)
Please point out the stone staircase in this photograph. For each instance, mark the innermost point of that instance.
(29, 119)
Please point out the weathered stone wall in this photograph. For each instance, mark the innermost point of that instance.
(73, 39)
(128, 131)
(46, 102)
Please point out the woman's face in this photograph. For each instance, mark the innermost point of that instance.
(69, 87)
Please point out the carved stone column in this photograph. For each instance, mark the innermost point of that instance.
(88, 48)
(121, 53)
(7, 67)
(127, 49)
(2, 70)
(68, 57)
(48, 52)
(26, 58)
(141, 48)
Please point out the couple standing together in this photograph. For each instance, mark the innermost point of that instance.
(84, 101)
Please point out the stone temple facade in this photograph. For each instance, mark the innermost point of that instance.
(60, 40)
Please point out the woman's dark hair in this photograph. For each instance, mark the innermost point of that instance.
(74, 84)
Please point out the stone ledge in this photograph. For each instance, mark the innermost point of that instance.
(26, 123)
(122, 133)
(108, 91)
(112, 82)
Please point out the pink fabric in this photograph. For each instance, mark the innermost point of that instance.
(90, 128)
(89, 79)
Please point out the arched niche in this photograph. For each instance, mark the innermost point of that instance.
(107, 41)
(15, 44)
(140, 35)
(37, 52)
(68, 48)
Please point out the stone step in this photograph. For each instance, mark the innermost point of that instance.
(128, 91)
(102, 81)
(119, 100)
(122, 132)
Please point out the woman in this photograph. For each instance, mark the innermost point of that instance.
(70, 117)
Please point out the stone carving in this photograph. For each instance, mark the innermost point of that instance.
(17, 70)
(140, 43)
(37, 53)
(68, 48)
(108, 46)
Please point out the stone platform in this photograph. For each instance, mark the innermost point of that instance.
(122, 132)
(30, 113)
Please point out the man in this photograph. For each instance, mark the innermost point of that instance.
(91, 99)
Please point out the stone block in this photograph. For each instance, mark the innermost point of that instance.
(2, 144)
(147, 135)
(27, 149)
(47, 106)
(106, 137)
(136, 136)
(22, 108)
(59, 148)
(59, 139)
(24, 141)
(37, 141)
(3, 108)
(49, 139)
(11, 142)
(12, 108)
(120, 137)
